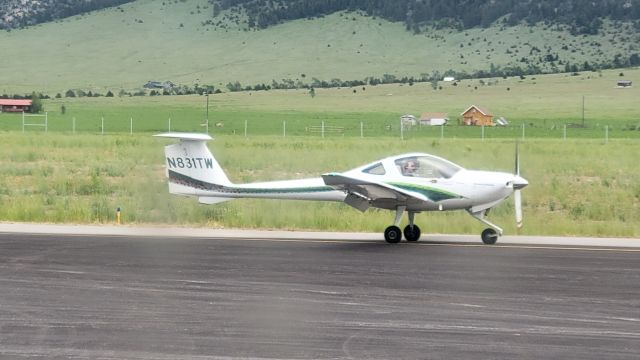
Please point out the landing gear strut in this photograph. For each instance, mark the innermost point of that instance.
(393, 234)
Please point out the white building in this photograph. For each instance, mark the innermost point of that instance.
(433, 118)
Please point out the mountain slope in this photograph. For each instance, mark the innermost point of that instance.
(146, 40)
(18, 13)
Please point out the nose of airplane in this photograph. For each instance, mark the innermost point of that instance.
(519, 182)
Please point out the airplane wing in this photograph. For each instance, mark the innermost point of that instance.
(360, 193)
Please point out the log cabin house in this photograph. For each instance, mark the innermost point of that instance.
(478, 116)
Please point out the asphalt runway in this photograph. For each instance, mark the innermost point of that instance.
(155, 297)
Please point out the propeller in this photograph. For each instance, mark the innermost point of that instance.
(518, 203)
(518, 184)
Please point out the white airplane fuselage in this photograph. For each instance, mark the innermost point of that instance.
(474, 189)
(413, 182)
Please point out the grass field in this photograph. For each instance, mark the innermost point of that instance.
(579, 187)
(544, 104)
(154, 40)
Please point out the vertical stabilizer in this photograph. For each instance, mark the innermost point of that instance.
(190, 165)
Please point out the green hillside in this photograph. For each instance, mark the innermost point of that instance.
(123, 48)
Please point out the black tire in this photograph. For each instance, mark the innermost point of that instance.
(392, 234)
(489, 236)
(412, 234)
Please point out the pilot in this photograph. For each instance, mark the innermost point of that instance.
(409, 168)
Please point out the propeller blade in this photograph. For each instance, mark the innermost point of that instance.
(518, 205)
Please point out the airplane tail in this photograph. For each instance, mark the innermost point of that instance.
(191, 168)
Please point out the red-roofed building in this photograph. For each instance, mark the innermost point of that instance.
(15, 105)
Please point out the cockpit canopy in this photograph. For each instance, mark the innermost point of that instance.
(426, 166)
(415, 165)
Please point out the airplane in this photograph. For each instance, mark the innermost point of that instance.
(411, 183)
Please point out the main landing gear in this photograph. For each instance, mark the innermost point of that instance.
(393, 234)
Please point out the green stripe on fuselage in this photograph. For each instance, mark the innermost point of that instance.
(203, 185)
(431, 193)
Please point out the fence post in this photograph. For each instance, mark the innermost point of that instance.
(23, 121)
(245, 128)
(401, 130)
(323, 129)
(46, 121)
(169, 124)
(73, 125)
(564, 135)
(131, 127)
(284, 128)
(522, 131)
(102, 125)
(482, 132)
(442, 132)
(606, 134)
(361, 130)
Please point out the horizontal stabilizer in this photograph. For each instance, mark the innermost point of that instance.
(185, 136)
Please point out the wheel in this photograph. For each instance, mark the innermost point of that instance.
(393, 234)
(412, 233)
(489, 236)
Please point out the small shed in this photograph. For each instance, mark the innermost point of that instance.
(502, 121)
(408, 120)
(478, 116)
(448, 79)
(15, 105)
(433, 118)
(624, 83)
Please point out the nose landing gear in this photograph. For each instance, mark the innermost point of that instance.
(489, 236)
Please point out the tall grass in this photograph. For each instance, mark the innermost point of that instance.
(578, 187)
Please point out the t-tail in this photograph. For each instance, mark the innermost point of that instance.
(191, 168)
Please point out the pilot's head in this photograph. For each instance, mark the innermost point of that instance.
(410, 167)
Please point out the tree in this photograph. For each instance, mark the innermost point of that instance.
(70, 94)
(109, 94)
(36, 103)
